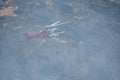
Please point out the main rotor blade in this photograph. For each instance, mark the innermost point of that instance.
(62, 23)
(56, 24)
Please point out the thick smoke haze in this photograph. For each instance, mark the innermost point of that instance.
(91, 50)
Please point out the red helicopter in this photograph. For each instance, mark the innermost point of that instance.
(48, 31)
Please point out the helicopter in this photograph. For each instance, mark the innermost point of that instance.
(49, 31)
